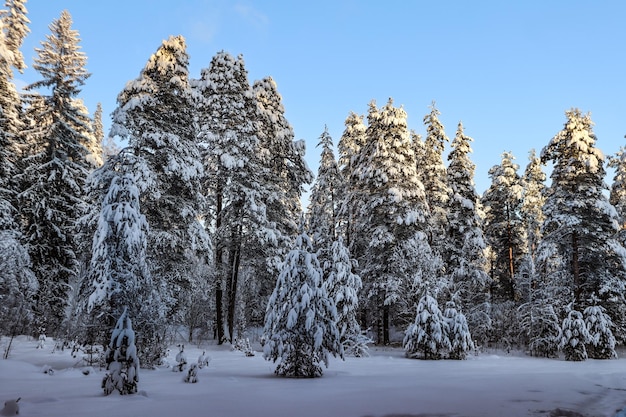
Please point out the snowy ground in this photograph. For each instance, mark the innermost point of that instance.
(385, 384)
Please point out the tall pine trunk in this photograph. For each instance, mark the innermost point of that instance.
(219, 319)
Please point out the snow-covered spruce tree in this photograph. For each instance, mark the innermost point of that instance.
(343, 286)
(461, 341)
(618, 190)
(351, 141)
(53, 178)
(323, 216)
(579, 232)
(300, 330)
(428, 336)
(391, 219)
(155, 114)
(574, 337)
(433, 175)
(283, 157)
(503, 226)
(237, 194)
(601, 343)
(539, 323)
(118, 277)
(13, 29)
(465, 244)
(18, 284)
(121, 358)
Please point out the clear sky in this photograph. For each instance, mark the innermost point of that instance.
(508, 69)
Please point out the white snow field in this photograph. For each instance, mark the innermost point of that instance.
(384, 384)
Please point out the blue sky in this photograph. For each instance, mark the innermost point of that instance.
(508, 69)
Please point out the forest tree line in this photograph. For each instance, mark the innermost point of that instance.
(189, 225)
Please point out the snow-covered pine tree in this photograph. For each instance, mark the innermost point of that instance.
(503, 227)
(12, 30)
(18, 284)
(244, 239)
(118, 277)
(539, 323)
(15, 28)
(428, 336)
(579, 232)
(343, 286)
(55, 172)
(323, 213)
(601, 344)
(121, 358)
(350, 144)
(300, 330)
(391, 219)
(96, 152)
(574, 337)
(465, 244)
(155, 114)
(283, 157)
(461, 341)
(618, 190)
(433, 175)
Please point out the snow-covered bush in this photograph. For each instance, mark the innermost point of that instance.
(601, 340)
(192, 374)
(459, 334)
(300, 331)
(574, 337)
(428, 335)
(121, 357)
(203, 360)
(181, 359)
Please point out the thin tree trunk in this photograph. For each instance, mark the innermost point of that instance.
(386, 325)
(232, 295)
(219, 319)
(576, 269)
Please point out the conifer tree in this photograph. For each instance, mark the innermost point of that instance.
(581, 225)
(238, 194)
(54, 177)
(300, 322)
(350, 144)
(155, 114)
(503, 226)
(428, 335)
(325, 200)
(601, 343)
(618, 190)
(574, 337)
(283, 157)
(15, 28)
(392, 218)
(121, 357)
(461, 341)
(433, 174)
(118, 277)
(343, 286)
(465, 244)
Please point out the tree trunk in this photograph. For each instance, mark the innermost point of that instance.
(219, 319)
(576, 269)
(385, 325)
(232, 290)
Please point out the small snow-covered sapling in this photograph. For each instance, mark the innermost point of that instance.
(203, 360)
(181, 359)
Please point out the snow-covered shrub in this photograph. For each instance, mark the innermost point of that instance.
(203, 360)
(601, 340)
(428, 335)
(121, 357)
(459, 334)
(181, 359)
(192, 374)
(243, 345)
(574, 337)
